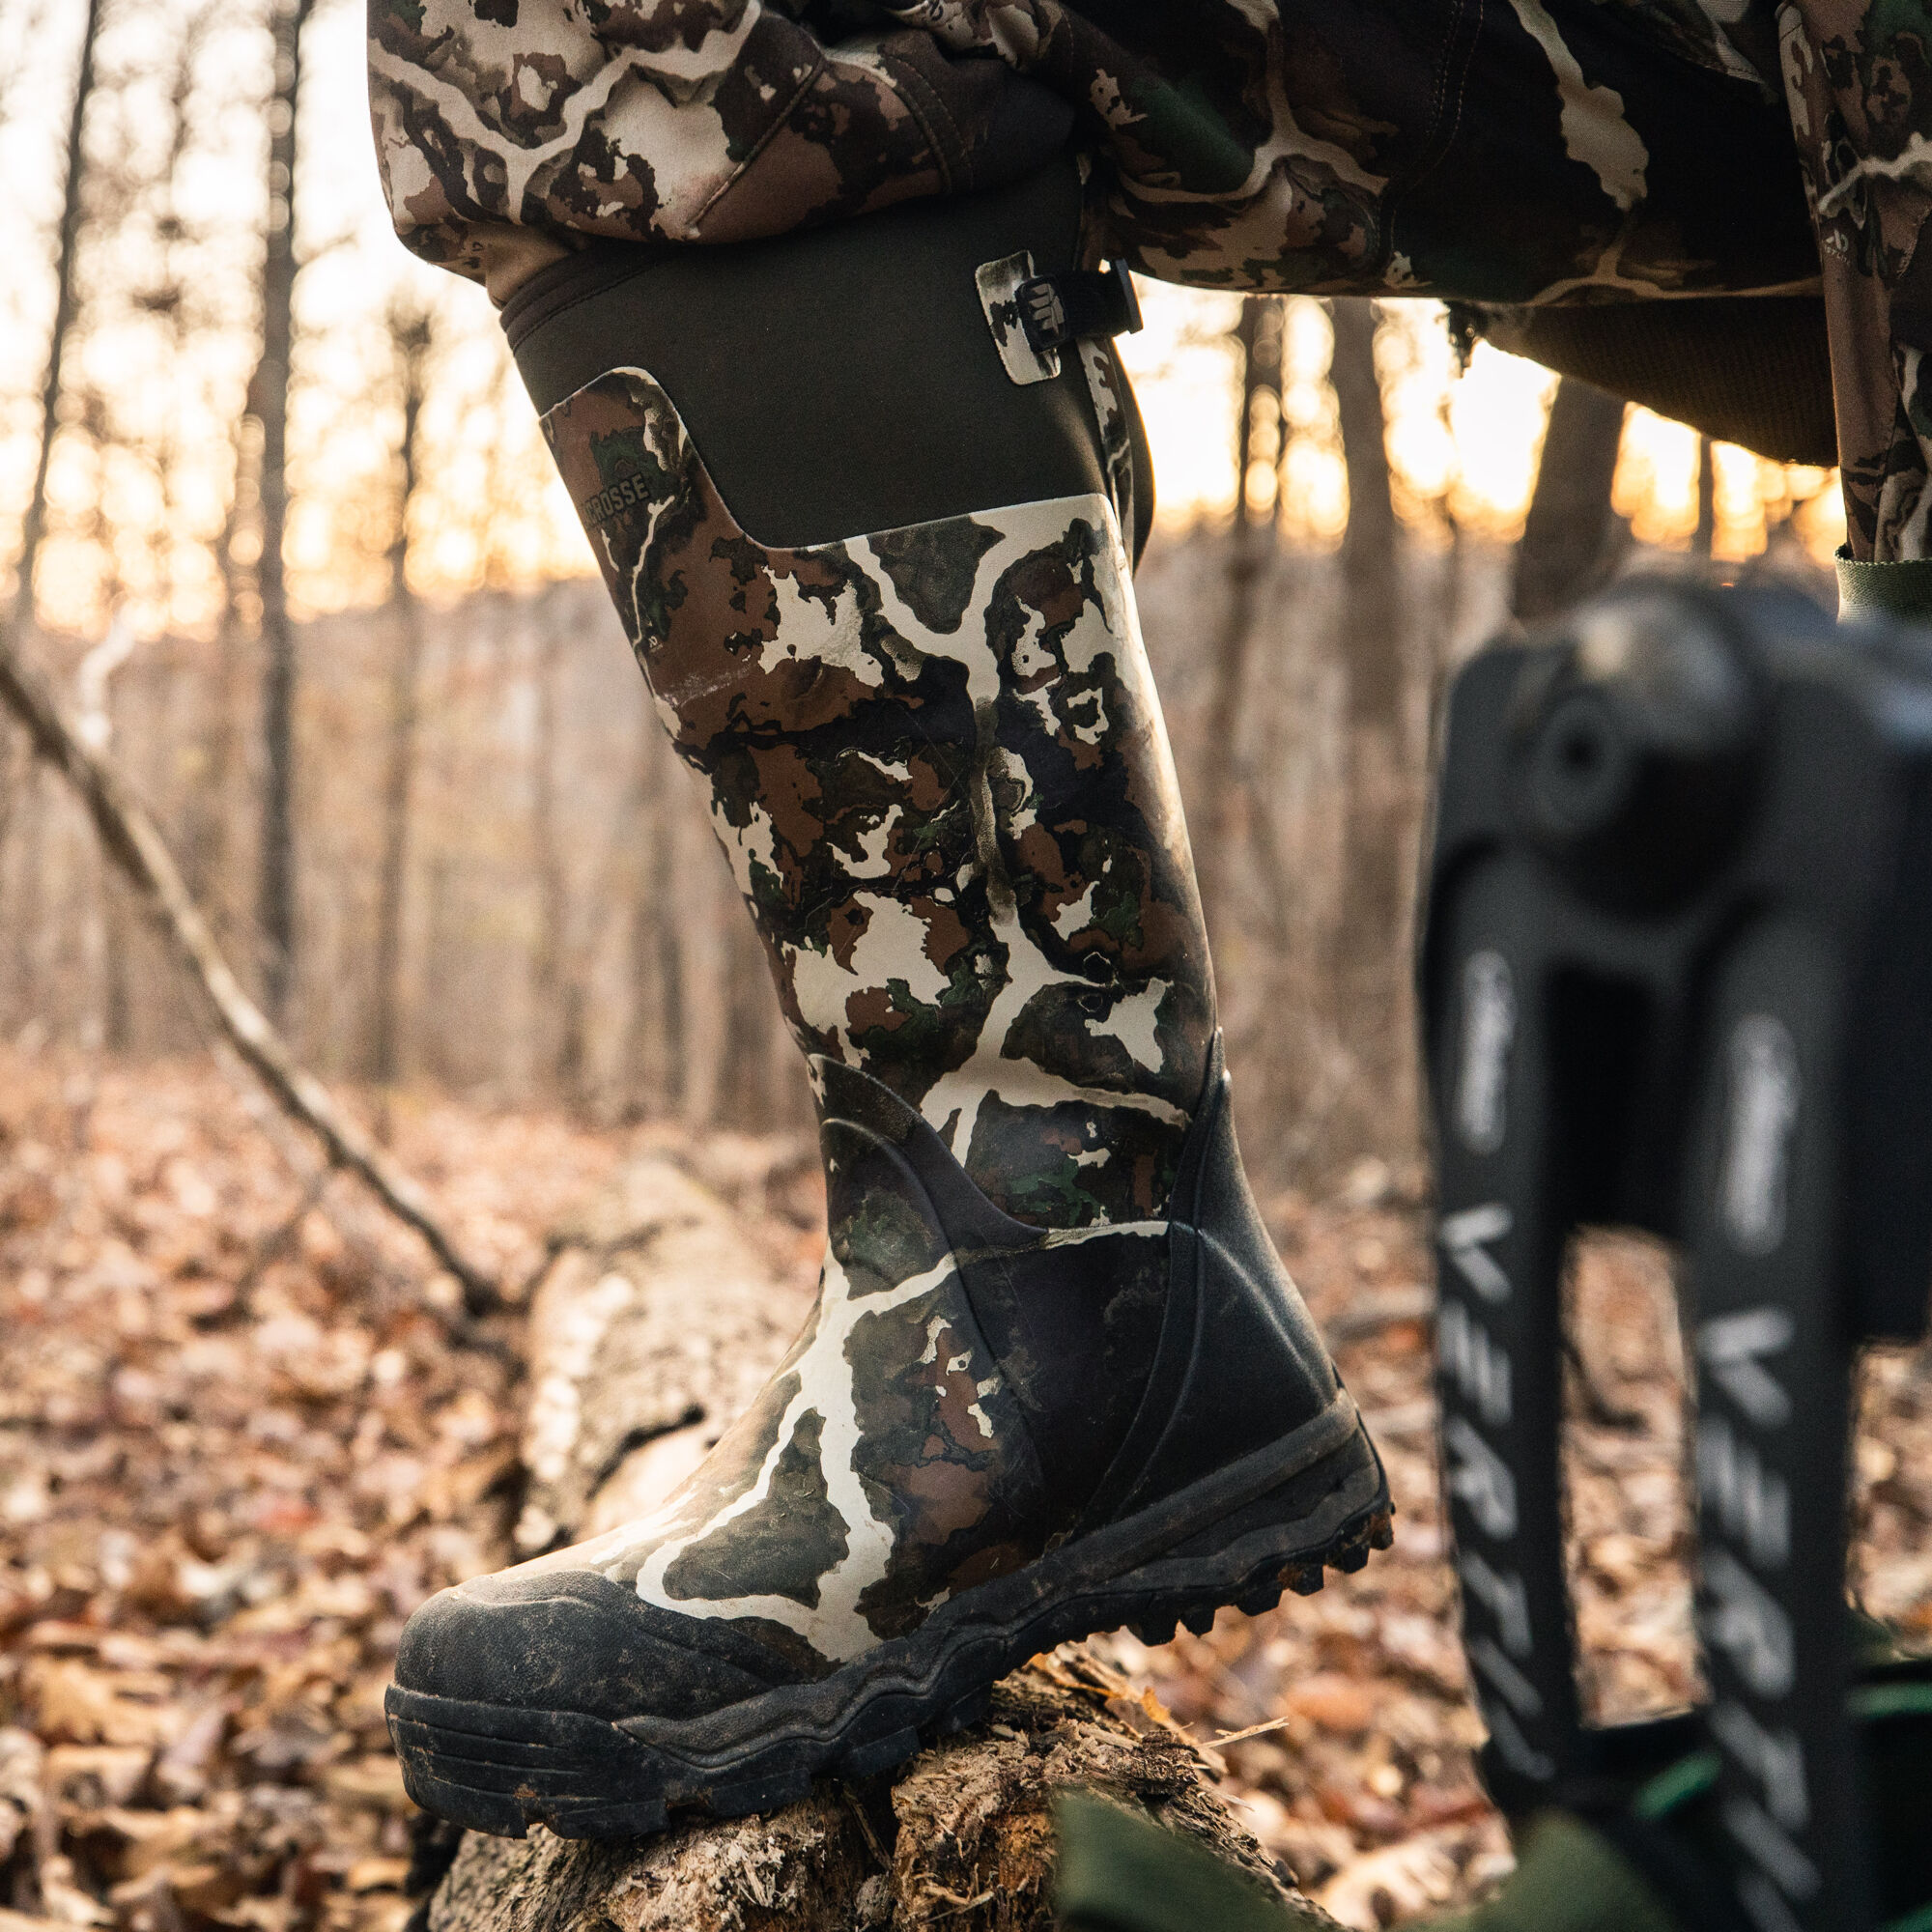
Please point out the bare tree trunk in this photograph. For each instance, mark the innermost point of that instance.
(33, 527)
(117, 1005)
(1371, 977)
(557, 990)
(405, 679)
(1570, 538)
(439, 955)
(1374, 616)
(1707, 500)
(116, 992)
(209, 856)
(656, 1079)
(1257, 340)
(275, 888)
(205, 808)
(411, 333)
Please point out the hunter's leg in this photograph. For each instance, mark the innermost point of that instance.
(1056, 1379)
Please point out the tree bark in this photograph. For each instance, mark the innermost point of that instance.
(1382, 791)
(657, 1081)
(556, 984)
(1705, 536)
(631, 1376)
(405, 676)
(134, 845)
(1570, 538)
(34, 525)
(960, 1839)
(1258, 342)
(275, 888)
(411, 333)
(1374, 618)
(209, 835)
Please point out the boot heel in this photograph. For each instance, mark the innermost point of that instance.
(1328, 1515)
(1192, 1603)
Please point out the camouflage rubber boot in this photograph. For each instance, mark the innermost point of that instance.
(1056, 1381)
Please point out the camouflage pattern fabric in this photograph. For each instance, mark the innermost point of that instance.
(1506, 151)
(939, 770)
(1537, 150)
(890, 1394)
(888, 1464)
(1859, 80)
(1107, 386)
(938, 767)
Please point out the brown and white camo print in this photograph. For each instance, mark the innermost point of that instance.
(1858, 78)
(1533, 152)
(888, 1464)
(938, 766)
(779, 1525)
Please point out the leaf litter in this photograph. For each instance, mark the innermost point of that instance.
(238, 1447)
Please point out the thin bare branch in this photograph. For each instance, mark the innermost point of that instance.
(133, 843)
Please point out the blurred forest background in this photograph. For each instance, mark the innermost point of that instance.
(290, 549)
(281, 536)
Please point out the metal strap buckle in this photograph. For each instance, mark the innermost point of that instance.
(1058, 310)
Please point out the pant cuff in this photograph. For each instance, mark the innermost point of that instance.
(1896, 589)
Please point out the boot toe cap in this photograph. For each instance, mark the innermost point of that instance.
(562, 1639)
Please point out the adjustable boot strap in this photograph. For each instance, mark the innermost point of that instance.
(1034, 317)
(1058, 310)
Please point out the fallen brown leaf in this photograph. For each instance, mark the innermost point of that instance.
(1336, 1703)
(73, 1703)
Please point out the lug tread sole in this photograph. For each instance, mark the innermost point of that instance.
(501, 1769)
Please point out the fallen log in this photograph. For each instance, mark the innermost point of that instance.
(654, 1326)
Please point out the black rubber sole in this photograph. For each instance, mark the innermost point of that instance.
(499, 1768)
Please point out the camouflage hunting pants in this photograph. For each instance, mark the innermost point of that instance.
(1507, 153)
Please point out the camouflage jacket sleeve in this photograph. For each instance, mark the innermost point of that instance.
(1568, 151)
(508, 130)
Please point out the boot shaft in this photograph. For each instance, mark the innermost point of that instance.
(938, 767)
